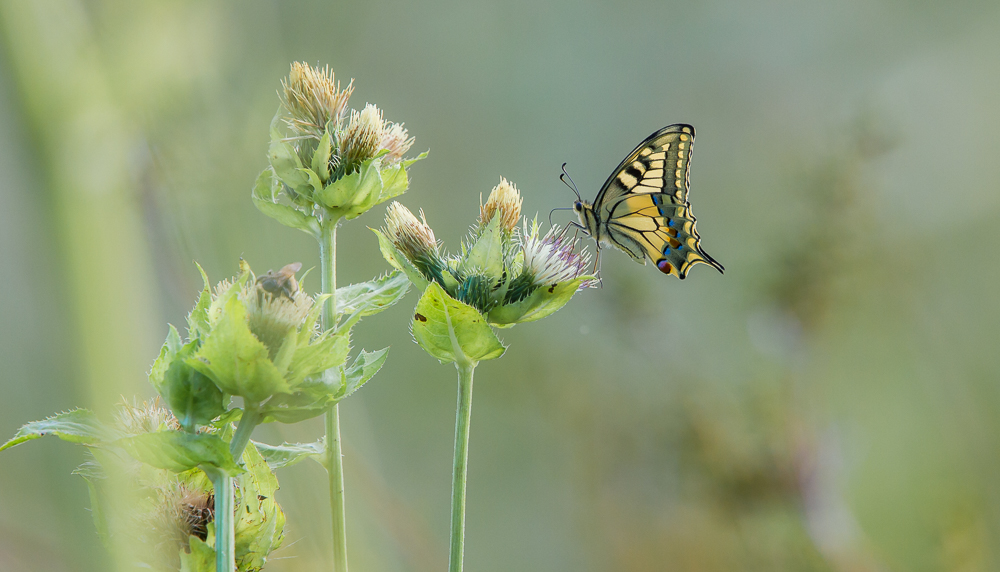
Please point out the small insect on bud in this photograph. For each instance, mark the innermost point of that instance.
(282, 282)
(505, 200)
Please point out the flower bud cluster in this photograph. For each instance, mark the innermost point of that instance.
(506, 270)
(329, 162)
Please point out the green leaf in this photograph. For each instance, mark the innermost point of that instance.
(92, 473)
(267, 203)
(76, 426)
(367, 298)
(202, 555)
(452, 331)
(260, 523)
(198, 317)
(236, 360)
(486, 255)
(321, 157)
(177, 451)
(544, 301)
(313, 396)
(168, 351)
(329, 351)
(407, 162)
(288, 454)
(354, 194)
(365, 366)
(193, 397)
(283, 158)
(394, 182)
(394, 257)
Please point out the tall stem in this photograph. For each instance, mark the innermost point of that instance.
(250, 419)
(225, 538)
(334, 456)
(462, 418)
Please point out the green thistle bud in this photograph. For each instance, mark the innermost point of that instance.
(505, 201)
(312, 99)
(329, 164)
(414, 238)
(361, 140)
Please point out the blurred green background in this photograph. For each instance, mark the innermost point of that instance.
(831, 403)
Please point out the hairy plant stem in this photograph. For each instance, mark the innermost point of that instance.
(225, 537)
(463, 416)
(334, 457)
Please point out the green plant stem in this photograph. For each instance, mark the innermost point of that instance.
(334, 456)
(463, 416)
(225, 538)
(250, 419)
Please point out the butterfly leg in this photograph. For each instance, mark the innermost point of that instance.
(597, 267)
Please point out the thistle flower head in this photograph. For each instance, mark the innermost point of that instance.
(146, 417)
(505, 201)
(412, 236)
(361, 140)
(553, 257)
(312, 98)
(396, 141)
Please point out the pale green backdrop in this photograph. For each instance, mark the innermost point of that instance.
(830, 403)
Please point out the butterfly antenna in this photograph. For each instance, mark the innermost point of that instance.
(571, 184)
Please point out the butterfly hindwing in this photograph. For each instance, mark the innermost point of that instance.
(652, 224)
(643, 207)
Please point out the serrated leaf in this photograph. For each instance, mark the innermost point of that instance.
(327, 352)
(544, 301)
(162, 362)
(198, 317)
(259, 526)
(394, 257)
(452, 331)
(486, 255)
(372, 297)
(407, 162)
(76, 426)
(177, 451)
(236, 360)
(364, 367)
(288, 454)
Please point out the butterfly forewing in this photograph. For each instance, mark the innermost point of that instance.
(643, 206)
(659, 164)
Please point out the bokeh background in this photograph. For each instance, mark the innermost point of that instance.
(830, 403)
